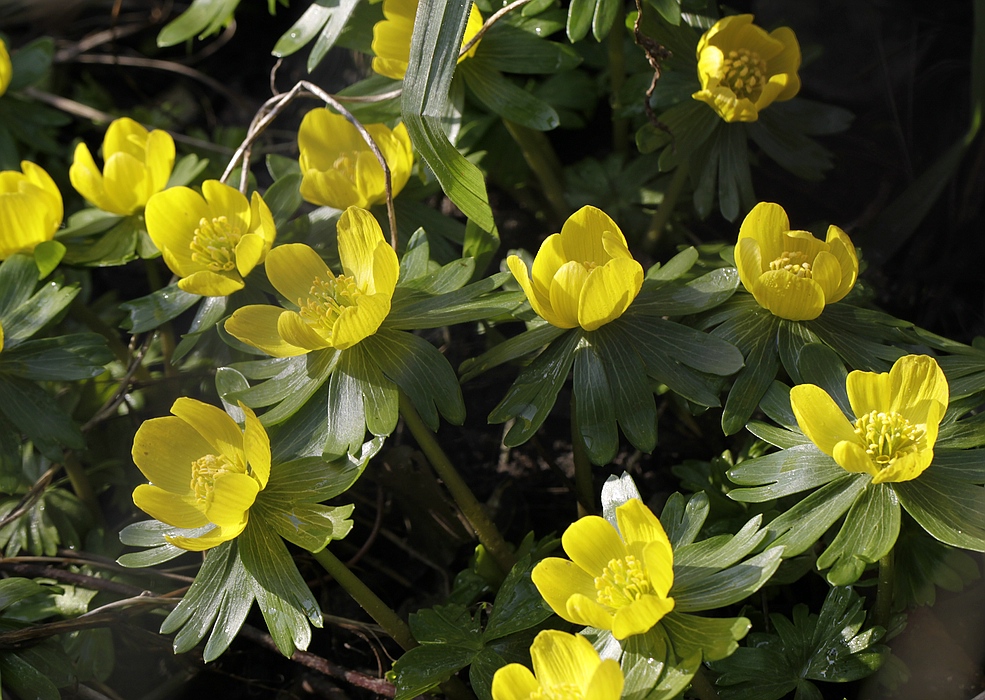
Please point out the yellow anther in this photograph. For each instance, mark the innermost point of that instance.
(795, 262)
(204, 472)
(622, 581)
(327, 299)
(743, 73)
(214, 244)
(888, 436)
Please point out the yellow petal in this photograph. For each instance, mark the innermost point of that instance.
(329, 189)
(563, 660)
(232, 496)
(124, 178)
(400, 156)
(766, 223)
(774, 87)
(160, 159)
(608, 292)
(249, 251)
(211, 284)
(820, 418)
(168, 507)
(256, 444)
(753, 38)
(826, 271)
(297, 333)
(724, 31)
(164, 449)
(787, 61)
(905, 468)
(171, 217)
(592, 543)
(729, 107)
(658, 558)
(916, 378)
(227, 201)
(293, 268)
(472, 27)
(362, 247)
(868, 391)
(581, 235)
(585, 610)
(606, 683)
(215, 426)
(710, 62)
(637, 523)
(841, 247)
(256, 325)
(262, 223)
(86, 178)
(565, 291)
(124, 135)
(788, 296)
(360, 321)
(851, 456)
(514, 682)
(6, 68)
(557, 580)
(540, 305)
(640, 615)
(209, 540)
(749, 262)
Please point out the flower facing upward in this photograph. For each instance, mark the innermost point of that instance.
(211, 240)
(391, 37)
(333, 310)
(30, 209)
(337, 167)
(566, 667)
(6, 69)
(584, 276)
(204, 470)
(791, 273)
(743, 69)
(616, 580)
(897, 416)
(137, 164)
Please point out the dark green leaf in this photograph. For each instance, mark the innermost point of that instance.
(512, 50)
(511, 349)
(149, 312)
(30, 63)
(500, 96)
(803, 524)
(714, 638)
(204, 17)
(37, 415)
(783, 473)
(755, 335)
(703, 293)
(284, 198)
(425, 667)
(633, 402)
(18, 277)
(951, 509)
(331, 32)
(66, 357)
(868, 533)
(683, 521)
(594, 414)
(707, 590)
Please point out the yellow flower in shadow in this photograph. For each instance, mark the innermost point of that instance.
(339, 170)
(205, 472)
(6, 68)
(391, 37)
(334, 311)
(137, 165)
(566, 667)
(584, 276)
(616, 580)
(897, 417)
(743, 69)
(30, 209)
(211, 240)
(792, 273)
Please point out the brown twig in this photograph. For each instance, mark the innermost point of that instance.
(31, 497)
(656, 53)
(122, 390)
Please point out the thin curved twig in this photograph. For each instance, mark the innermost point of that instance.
(493, 18)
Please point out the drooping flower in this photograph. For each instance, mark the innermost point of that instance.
(584, 276)
(391, 37)
(743, 69)
(897, 417)
(204, 470)
(617, 579)
(337, 167)
(6, 68)
(30, 209)
(792, 273)
(211, 240)
(566, 667)
(137, 165)
(334, 311)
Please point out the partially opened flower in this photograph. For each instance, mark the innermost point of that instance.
(743, 69)
(204, 471)
(6, 69)
(136, 165)
(211, 240)
(616, 580)
(584, 276)
(391, 37)
(566, 667)
(897, 416)
(337, 167)
(792, 273)
(334, 311)
(30, 209)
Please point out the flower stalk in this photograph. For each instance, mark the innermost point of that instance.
(885, 589)
(584, 488)
(540, 156)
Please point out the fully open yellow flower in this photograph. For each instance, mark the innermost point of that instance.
(791, 273)
(30, 209)
(137, 164)
(338, 169)
(391, 37)
(566, 667)
(616, 580)
(204, 470)
(334, 311)
(897, 416)
(6, 69)
(211, 240)
(743, 69)
(584, 276)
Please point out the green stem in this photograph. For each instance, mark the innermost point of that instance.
(659, 221)
(584, 484)
(543, 161)
(485, 528)
(702, 687)
(368, 601)
(617, 77)
(884, 590)
(81, 485)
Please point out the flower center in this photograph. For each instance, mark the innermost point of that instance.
(589, 264)
(214, 244)
(622, 581)
(558, 691)
(204, 472)
(744, 73)
(346, 165)
(888, 436)
(796, 263)
(327, 299)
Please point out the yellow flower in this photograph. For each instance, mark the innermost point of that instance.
(897, 416)
(6, 69)
(743, 69)
(584, 276)
(204, 470)
(334, 311)
(30, 209)
(566, 667)
(137, 164)
(616, 580)
(791, 273)
(211, 240)
(391, 37)
(338, 169)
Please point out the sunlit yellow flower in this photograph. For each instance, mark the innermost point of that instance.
(566, 667)
(791, 273)
(30, 209)
(897, 416)
(338, 169)
(584, 276)
(137, 164)
(616, 580)
(211, 240)
(391, 37)
(6, 69)
(204, 470)
(333, 310)
(743, 69)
